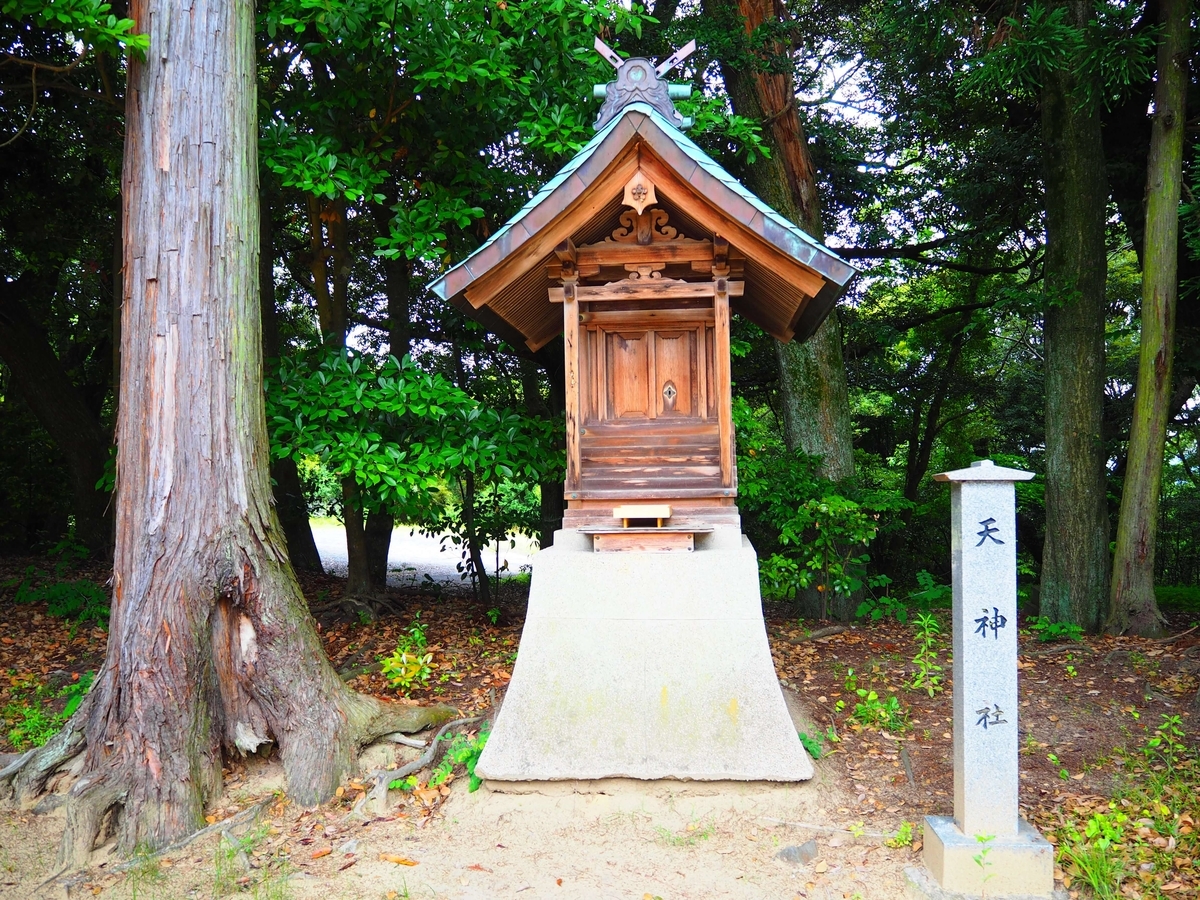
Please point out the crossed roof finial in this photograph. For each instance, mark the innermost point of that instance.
(638, 79)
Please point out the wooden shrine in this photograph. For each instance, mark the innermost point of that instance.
(637, 253)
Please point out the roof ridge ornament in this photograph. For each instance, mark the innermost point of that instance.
(639, 80)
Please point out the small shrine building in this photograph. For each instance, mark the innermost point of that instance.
(638, 251)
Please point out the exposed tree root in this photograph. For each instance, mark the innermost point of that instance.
(383, 777)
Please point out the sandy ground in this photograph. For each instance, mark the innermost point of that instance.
(614, 839)
(412, 555)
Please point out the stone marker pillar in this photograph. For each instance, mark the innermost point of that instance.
(985, 846)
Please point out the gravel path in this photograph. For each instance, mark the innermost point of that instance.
(413, 555)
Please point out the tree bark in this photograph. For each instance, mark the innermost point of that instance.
(1075, 563)
(812, 375)
(290, 503)
(210, 648)
(1132, 604)
(60, 408)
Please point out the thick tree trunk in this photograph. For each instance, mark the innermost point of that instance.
(59, 407)
(812, 375)
(474, 543)
(210, 648)
(1075, 563)
(1133, 607)
(290, 503)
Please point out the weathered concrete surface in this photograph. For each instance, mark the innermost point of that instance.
(1014, 866)
(644, 665)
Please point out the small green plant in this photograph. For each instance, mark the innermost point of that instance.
(409, 665)
(81, 600)
(903, 836)
(1167, 744)
(405, 669)
(927, 677)
(981, 858)
(1071, 673)
(692, 834)
(1092, 856)
(463, 751)
(872, 712)
(493, 615)
(1055, 631)
(858, 829)
(815, 745)
(145, 870)
(851, 681)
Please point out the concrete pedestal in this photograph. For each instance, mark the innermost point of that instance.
(645, 665)
(1018, 867)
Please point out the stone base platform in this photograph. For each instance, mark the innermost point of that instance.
(1017, 867)
(645, 665)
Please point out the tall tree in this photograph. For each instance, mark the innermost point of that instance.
(1075, 564)
(1132, 605)
(210, 647)
(812, 374)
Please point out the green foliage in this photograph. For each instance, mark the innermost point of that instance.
(400, 433)
(822, 532)
(90, 22)
(79, 599)
(815, 745)
(927, 676)
(409, 665)
(1166, 746)
(463, 752)
(873, 712)
(1109, 55)
(30, 719)
(1055, 631)
(930, 594)
(882, 607)
(903, 836)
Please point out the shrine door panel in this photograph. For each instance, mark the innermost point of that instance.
(628, 371)
(675, 373)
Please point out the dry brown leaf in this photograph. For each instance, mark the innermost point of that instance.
(398, 860)
(325, 851)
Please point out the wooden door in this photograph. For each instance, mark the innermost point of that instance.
(675, 375)
(628, 365)
(649, 374)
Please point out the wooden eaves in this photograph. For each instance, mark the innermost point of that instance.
(791, 280)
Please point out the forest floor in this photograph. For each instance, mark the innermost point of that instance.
(1091, 711)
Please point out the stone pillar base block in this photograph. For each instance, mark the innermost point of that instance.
(1014, 867)
(644, 665)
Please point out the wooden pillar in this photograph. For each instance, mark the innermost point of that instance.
(721, 362)
(571, 347)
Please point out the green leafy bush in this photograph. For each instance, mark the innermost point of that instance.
(409, 665)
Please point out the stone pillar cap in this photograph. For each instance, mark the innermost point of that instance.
(984, 470)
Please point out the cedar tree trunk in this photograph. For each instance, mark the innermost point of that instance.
(812, 374)
(1132, 606)
(210, 649)
(1075, 563)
